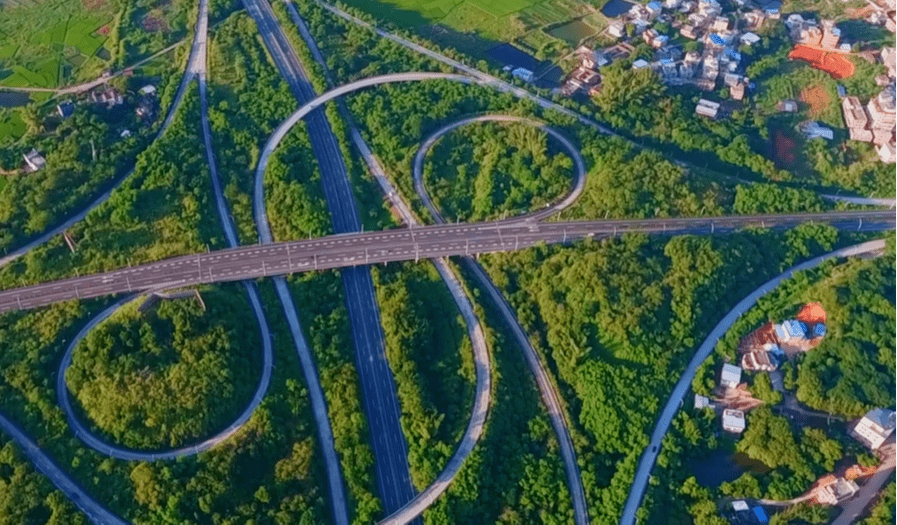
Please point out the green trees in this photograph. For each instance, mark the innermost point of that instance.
(171, 376)
(884, 510)
(481, 170)
(26, 496)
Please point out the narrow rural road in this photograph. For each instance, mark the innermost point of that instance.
(871, 488)
(60, 478)
(194, 64)
(649, 457)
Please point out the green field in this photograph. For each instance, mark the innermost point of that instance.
(475, 25)
(11, 125)
(47, 43)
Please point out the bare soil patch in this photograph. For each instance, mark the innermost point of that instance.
(94, 5)
(818, 98)
(783, 146)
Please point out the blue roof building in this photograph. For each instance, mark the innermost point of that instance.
(819, 330)
(716, 39)
(761, 515)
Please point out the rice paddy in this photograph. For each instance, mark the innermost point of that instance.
(454, 22)
(48, 43)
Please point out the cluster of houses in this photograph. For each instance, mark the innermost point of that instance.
(882, 14)
(874, 121)
(765, 349)
(107, 97)
(824, 35)
(719, 60)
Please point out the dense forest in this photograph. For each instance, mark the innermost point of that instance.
(131, 373)
(483, 170)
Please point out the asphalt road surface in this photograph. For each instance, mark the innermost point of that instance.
(546, 389)
(377, 383)
(426, 242)
(649, 457)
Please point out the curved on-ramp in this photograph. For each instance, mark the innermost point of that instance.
(94, 510)
(194, 67)
(546, 388)
(649, 457)
(91, 440)
(420, 502)
(481, 357)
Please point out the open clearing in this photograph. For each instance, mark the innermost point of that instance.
(47, 43)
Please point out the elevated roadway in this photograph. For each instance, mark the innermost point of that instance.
(426, 242)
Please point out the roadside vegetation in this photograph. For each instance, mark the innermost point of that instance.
(431, 358)
(248, 99)
(883, 513)
(164, 208)
(271, 469)
(482, 170)
(130, 374)
(297, 209)
(26, 496)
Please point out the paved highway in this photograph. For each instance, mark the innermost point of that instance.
(649, 457)
(377, 383)
(426, 242)
(94, 510)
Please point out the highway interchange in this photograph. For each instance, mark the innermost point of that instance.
(378, 388)
(351, 251)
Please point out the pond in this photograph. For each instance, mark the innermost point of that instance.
(615, 8)
(722, 465)
(11, 99)
(572, 32)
